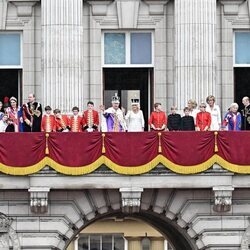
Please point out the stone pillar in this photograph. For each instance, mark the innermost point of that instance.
(195, 50)
(62, 57)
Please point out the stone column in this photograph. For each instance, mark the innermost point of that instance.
(195, 31)
(62, 60)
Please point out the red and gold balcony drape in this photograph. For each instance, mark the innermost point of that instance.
(124, 153)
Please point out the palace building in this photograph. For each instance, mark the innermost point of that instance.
(104, 191)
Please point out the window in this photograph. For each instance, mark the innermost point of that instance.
(101, 242)
(128, 49)
(10, 50)
(145, 243)
(242, 50)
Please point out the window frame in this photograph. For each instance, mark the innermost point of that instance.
(128, 49)
(238, 65)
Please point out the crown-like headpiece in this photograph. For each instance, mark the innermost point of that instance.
(135, 101)
(115, 98)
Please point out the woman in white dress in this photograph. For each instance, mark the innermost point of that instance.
(214, 110)
(134, 118)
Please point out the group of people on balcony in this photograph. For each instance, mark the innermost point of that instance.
(29, 118)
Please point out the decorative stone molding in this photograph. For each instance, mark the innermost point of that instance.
(99, 8)
(7, 233)
(39, 199)
(128, 11)
(3, 13)
(245, 239)
(156, 7)
(5, 223)
(131, 199)
(231, 7)
(24, 8)
(222, 198)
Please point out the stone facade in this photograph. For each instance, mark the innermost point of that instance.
(180, 207)
(192, 58)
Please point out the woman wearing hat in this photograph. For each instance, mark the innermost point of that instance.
(14, 112)
(134, 118)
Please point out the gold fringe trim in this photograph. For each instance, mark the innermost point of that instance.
(215, 141)
(76, 170)
(180, 169)
(235, 168)
(24, 170)
(132, 170)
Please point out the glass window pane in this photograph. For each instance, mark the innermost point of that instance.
(10, 49)
(83, 243)
(107, 242)
(114, 48)
(242, 51)
(141, 49)
(146, 244)
(118, 242)
(95, 242)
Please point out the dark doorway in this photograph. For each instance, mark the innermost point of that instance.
(9, 83)
(128, 83)
(242, 84)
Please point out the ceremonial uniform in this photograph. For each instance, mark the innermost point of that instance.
(62, 124)
(90, 120)
(158, 119)
(203, 120)
(246, 118)
(187, 123)
(75, 123)
(48, 123)
(32, 114)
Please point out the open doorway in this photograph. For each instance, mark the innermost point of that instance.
(129, 83)
(242, 84)
(10, 83)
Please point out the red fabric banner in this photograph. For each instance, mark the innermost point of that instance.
(75, 149)
(22, 149)
(187, 148)
(233, 146)
(131, 149)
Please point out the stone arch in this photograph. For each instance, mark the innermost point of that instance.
(245, 239)
(176, 235)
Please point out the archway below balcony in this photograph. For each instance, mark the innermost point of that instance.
(175, 235)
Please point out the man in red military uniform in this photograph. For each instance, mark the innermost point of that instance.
(62, 121)
(90, 120)
(158, 119)
(48, 121)
(75, 121)
(203, 119)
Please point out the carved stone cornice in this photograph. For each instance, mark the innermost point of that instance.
(24, 7)
(131, 199)
(223, 198)
(156, 7)
(231, 7)
(99, 8)
(39, 199)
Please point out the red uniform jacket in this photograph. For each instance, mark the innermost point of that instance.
(75, 124)
(157, 119)
(48, 123)
(90, 119)
(203, 119)
(62, 123)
